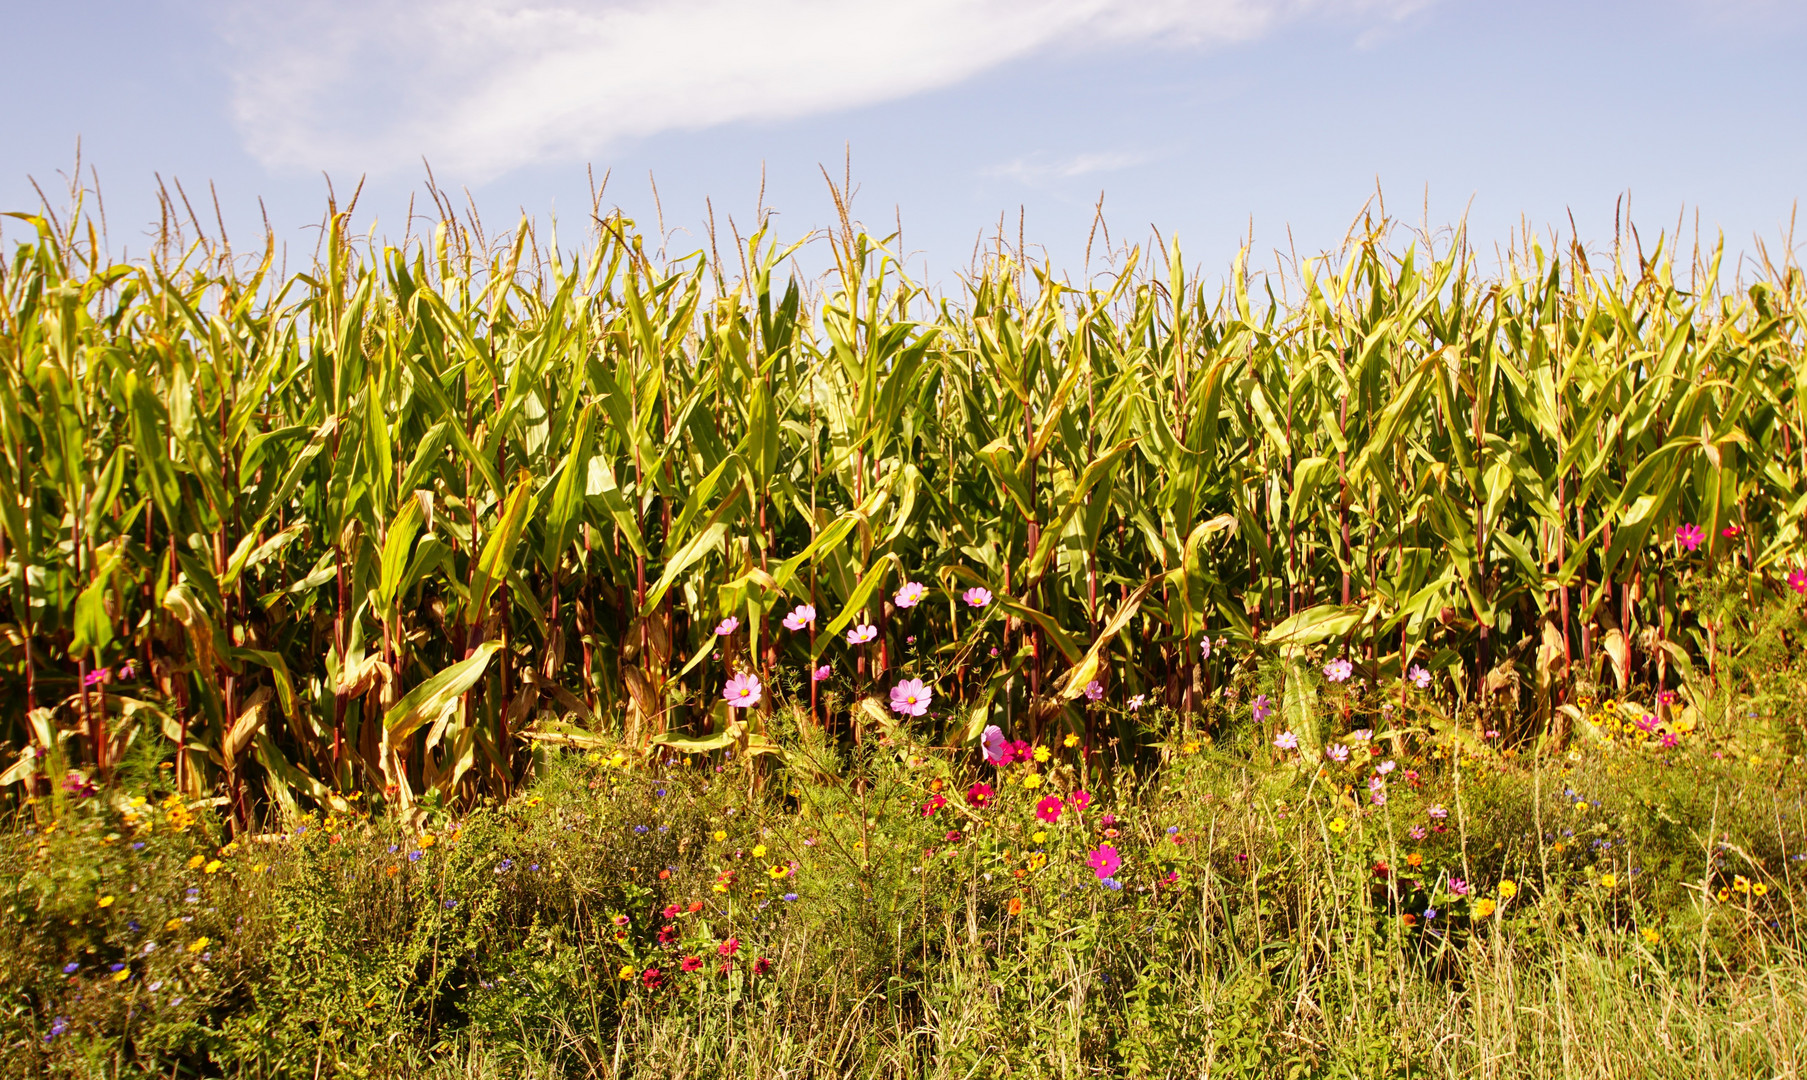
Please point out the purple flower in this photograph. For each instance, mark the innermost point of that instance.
(997, 748)
(861, 634)
(1419, 676)
(1204, 647)
(1338, 670)
(977, 596)
(820, 674)
(1263, 708)
(1417, 832)
(71, 968)
(1104, 861)
(727, 626)
(1094, 690)
(1689, 536)
(1458, 886)
(743, 690)
(911, 594)
(1286, 740)
(1438, 812)
(801, 616)
(911, 697)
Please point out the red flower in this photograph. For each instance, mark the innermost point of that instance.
(691, 963)
(1730, 531)
(980, 795)
(1380, 870)
(761, 966)
(652, 977)
(667, 934)
(729, 947)
(670, 912)
(934, 804)
(696, 906)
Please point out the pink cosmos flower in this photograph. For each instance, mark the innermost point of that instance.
(1079, 800)
(1417, 832)
(977, 596)
(1669, 740)
(743, 691)
(1338, 670)
(1438, 812)
(820, 674)
(1338, 753)
(980, 795)
(1730, 531)
(1104, 861)
(1136, 702)
(1263, 708)
(911, 697)
(861, 633)
(1665, 697)
(801, 616)
(1797, 580)
(127, 671)
(1420, 677)
(1458, 886)
(911, 594)
(727, 626)
(1689, 536)
(1286, 740)
(997, 748)
(96, 677)
(934, 804)
(1094, 690)
(1049, 809)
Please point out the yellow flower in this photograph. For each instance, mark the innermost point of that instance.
(1759, 889)
(1724, 894)
(1070, 741)
(1037, 861)
(212, 867)
(1508, 889)
(720, 836)
(1337, 825)
(195, 863)
(1190, 748)
(1032, 781)
(1580, 804)
(173, 924)
(427, 840)
(1740, 883)
(122, 974)
(1042, 753)
(778, 873)
(260, 868)
(618, 760)
(105, 901)
(721, 887)
(1039, 837)
(1651, 936)
(1483, 907)
(626, 974)
(1609, 881)
(197, 944)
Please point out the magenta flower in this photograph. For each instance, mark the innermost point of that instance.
(1669, 740)
(1286, 740)
(1049, 809)
(1205, 647)
(801, 616)
(980, 795)
(1458, 886)
(861, 634)
(997, 748)
(1689, 536)
(96, 677)
(1094, 690)
(1730, 531)
(1263, 708)
(934, 804)
(743, 690)
(1797, 580)
(820, 674)
(727, 626)
(977, 596)
(911, 594)
(1338, 670)
(1020, 751)
(911, 698)
(1104, 861)
(1079, 800)
(1419, 676)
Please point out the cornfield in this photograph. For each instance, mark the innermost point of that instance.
(389, 523)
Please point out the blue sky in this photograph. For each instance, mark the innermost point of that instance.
(1212, 120)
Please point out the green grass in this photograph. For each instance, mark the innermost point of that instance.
(1279, 949)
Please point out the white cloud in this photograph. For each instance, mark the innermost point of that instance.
(483, 86)
(1035, 169)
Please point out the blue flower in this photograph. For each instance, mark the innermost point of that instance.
(139, 846)
(133, 926)
(534, 867)
(790, 896)
(57, 1027)
(1171, 829)
(1112, 884)
(505, 866)
(393, 848)
(117, 967)
(660, 792)
(451, 904)
(71, 968)
(414, 856)
(640, 830)
(1430, 913)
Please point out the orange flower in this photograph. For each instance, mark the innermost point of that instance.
(1015, 907)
